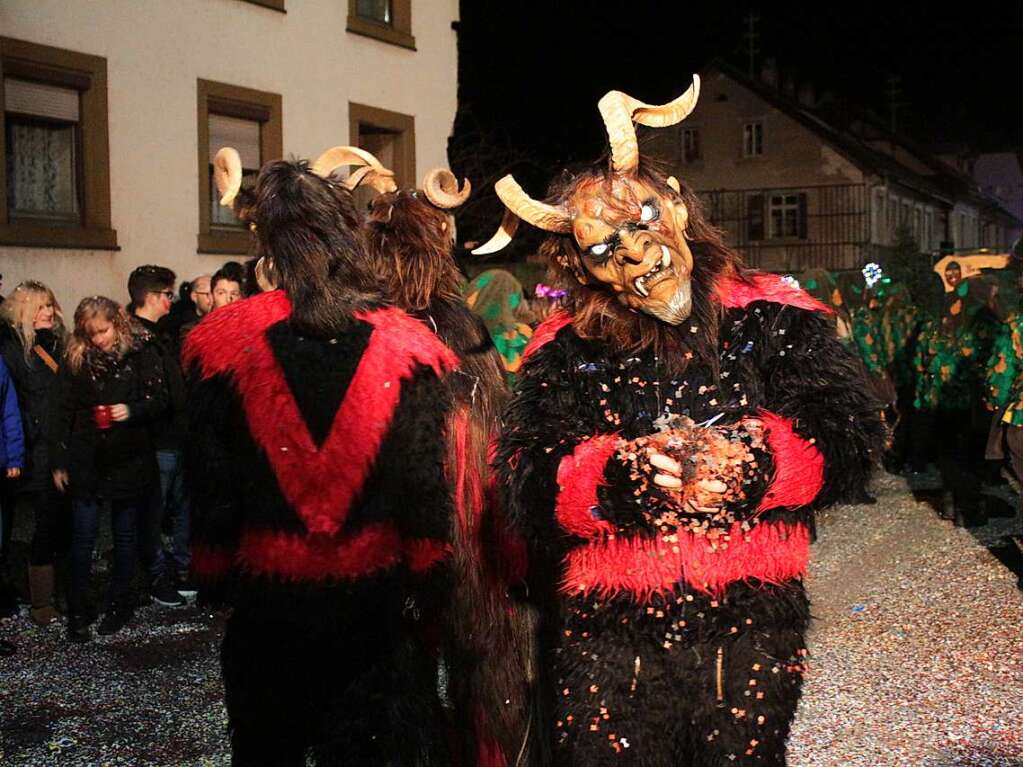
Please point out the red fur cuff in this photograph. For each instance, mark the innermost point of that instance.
(579, 476)
(798, 466)
(210, 562)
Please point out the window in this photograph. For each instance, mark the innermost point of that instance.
(877, 218)
(787, 215)
(248, 120)
(55, 174)
(893, 217)
(928, 230)
(691, 145)
(389, 21)
(390, 136)
(753, 139)
(776, 216)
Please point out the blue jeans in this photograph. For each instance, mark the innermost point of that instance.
(169, 499)
(84, 528)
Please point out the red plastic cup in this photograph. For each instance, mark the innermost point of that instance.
(103, 416)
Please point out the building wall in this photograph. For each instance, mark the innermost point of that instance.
(157, 50)
(793, 156)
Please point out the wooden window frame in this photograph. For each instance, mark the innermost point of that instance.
(405, 164)
(88, 75)
(273, 5)
(398, 32)
(247, 104)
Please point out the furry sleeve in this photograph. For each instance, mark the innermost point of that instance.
(554, 449)
(211, 475)
(816, 388)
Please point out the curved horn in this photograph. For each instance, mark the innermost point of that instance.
(227, 173)
(441, 188)
(620, 110)
(356, 177)
(340, 156)
(382, 180)
(503, 236)
(539, 214)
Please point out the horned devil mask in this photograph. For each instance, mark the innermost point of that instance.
(628, 230)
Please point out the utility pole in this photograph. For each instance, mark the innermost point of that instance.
(894, 93)
(752, 19)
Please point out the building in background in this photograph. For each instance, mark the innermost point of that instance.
(798, 182)
(112, 112)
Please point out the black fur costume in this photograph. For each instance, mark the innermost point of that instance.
(316, 469)
(664, 650)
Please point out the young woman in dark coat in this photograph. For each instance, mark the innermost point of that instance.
(110, 388)
(32, 343)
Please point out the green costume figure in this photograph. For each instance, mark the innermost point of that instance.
(495, 296)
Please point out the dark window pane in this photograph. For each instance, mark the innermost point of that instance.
(374, 10)
(42, 175)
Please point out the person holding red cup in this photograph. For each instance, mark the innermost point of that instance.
(110, 388)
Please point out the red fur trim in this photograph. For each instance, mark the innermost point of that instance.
(422, 554)
(798, 466)
(467, 481)
(772, 552)
(735, 294)
(319, 483)
(579, 476)
(546, 331)
(210, 561)
(317, 558)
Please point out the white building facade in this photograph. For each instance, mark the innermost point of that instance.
(111, 111)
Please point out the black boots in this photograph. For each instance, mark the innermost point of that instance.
(78, 627)
(115, 619)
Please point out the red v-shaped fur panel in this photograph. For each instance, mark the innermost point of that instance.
(319, 483)
(736, 294)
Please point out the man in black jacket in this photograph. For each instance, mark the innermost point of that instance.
(152, 291)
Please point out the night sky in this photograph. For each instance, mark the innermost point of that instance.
(535, 70)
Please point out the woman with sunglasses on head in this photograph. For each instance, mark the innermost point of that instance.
(111, 388)
(32, 339)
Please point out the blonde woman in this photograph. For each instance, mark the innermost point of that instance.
(32, 339)
(111, 387)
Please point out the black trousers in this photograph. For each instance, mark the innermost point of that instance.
(344, 686)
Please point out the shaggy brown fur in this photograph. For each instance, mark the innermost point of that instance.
(307, 230)
(488, 637)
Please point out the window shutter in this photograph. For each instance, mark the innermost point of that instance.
(40, 100)
(755, 216)
(802, 216)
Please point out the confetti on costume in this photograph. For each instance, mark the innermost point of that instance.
(668, 442)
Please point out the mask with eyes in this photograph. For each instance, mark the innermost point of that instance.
(628, 231)
(629, 237)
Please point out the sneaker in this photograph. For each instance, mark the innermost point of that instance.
(161, 591)
(114, 620)
(184, 586)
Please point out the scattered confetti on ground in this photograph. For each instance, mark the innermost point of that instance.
(917, 661)
(917, 647)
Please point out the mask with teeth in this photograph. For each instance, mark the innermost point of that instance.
(629, 236)
(627, 227)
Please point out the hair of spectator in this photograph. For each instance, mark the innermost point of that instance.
(148, 279)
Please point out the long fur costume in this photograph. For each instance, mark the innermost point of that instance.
(680, 652)
(316, 469)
